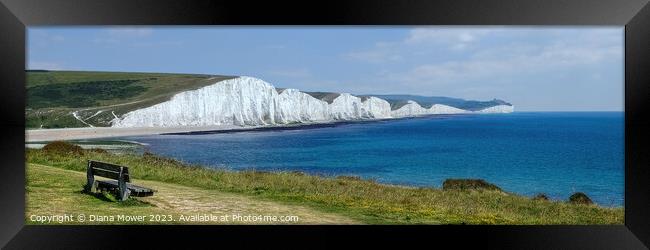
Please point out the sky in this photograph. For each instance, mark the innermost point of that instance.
(536, 68)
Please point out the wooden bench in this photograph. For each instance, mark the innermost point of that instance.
(119, 182)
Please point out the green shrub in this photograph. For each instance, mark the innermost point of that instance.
(580, 198)
(98, 150)
(298, 173)
(541, 197)
(347, 177)
(61, 147)
(468, 184)
(155, 159)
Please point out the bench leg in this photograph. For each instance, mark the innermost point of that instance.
(90, 182)
(122, 189)
(125, 194)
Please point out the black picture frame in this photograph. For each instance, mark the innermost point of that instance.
(15, 15)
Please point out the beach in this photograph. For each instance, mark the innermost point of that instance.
(43, 135)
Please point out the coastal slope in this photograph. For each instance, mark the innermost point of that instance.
(54, 180)
(77, 99)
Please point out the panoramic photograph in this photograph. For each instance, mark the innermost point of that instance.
(463, 125)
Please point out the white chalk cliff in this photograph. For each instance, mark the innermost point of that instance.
(248, 101)
(498, 109)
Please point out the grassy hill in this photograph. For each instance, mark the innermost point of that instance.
(365, 201)
(55, 97)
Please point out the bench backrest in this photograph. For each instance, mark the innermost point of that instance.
(108, 170)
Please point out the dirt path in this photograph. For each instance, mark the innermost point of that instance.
(182, 200)
(188, 200)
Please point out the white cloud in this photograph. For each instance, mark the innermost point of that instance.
(381, 52)
(448, 35)
(374, 56)
(43, 38)
(452, 38)
(542, 60)
(491, 55)
(487, 70)
(455, 39)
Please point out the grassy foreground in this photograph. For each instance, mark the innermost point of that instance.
(362, 200)
(56, 191)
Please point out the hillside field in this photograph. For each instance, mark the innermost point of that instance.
(54, 98)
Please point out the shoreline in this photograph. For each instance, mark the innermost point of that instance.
(46, 135)
(283, 127)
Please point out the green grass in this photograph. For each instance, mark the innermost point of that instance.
(364, 200)
(56, 191)
(52, 96)
(82, 94)
(50, 193)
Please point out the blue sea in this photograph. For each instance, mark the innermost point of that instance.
(556, 153)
